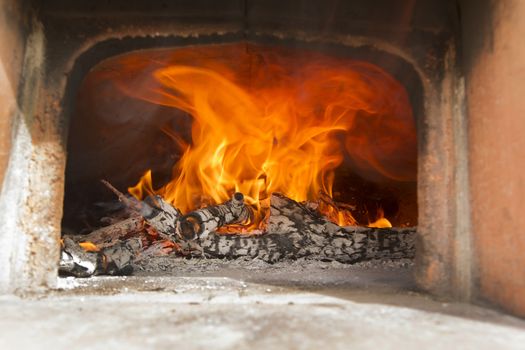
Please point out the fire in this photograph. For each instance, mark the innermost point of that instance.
(381, 221)
(339, 213)
(269, 119)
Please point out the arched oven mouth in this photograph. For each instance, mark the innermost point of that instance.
(266, 149)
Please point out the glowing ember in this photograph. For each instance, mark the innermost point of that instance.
(268, 119)
(89, 246)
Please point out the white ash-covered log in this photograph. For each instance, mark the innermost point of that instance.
(114, 260)
(296, 231)
(200, 223)
(162, 216)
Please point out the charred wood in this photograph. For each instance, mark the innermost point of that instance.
(76, 261)
(109, 235)
(161, 215)
(153, 211)
(296, 231)
(200, 223)
(114, 260)
(129, 202)
(120, 244)
(118, 259)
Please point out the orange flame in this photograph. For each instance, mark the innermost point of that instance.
(381, 221)
(269, 119)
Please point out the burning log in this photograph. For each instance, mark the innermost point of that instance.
(157, 212)
(296, 231)
(162, 216)
(154, 209)
(200, 223)
(112, 234)
(117, 259)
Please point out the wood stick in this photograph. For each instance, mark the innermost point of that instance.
(111, 234)
(76, 261)
(323, 197)
(130, 202)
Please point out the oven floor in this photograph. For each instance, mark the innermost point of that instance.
(220, 305)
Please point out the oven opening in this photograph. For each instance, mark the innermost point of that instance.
(238, 151)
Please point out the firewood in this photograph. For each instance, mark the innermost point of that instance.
(295, 231)
(158, 248)
(150, 207)
(200, 223)
(130, 202)
(157, 212)
(109, 235)
(118, 259)
(115, 260)
(162, 216)
(76, 261)
(325, 198)
(119, 244)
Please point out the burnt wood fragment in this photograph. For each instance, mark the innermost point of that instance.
(154, 209)
(114, 260)
(76, 261)
(118, 259)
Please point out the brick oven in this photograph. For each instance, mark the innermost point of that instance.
(458, 62)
